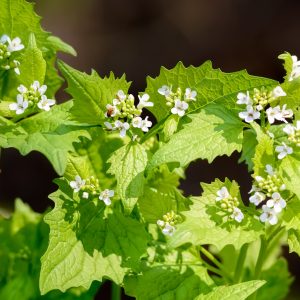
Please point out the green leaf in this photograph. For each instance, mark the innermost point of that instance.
(291, 216)
(248, 150)
(169, 283)
(289, 170)
(18, 19)
(240, 291)
(288, 64)
(86, 244)
(32, 64)
(127, 165)
(60, 45)
(203, 223)
(91, 93)
(213, 132)
(294, 240)
(91, 156)
(161, 195)
(47, 132)
(264, 154)
(278, 281)
(211, 86)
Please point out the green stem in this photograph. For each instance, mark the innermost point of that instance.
(259, 262)
(240, 263)
(213, 269)
(216, 262)
(115, 292)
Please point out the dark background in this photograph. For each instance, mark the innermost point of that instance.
(136, 37)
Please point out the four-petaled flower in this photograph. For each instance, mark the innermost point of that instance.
(269, 170)
(257, 198)
(144, 101)
(122, 126)
(190, 95)
(168, 229)
(106, 195)
(268, 215)
(164, 90)
(244, 98)
(13, 45)
(146, 125)
(45, 103)
(250, 114)
(111, 111)
(77, 184)
(36, 86)
(222, 194)
(179, 108)
(277, 203)
(278, 92)
(273, 113)
(283, 150)
(120, 97)
(20, 106)
(237, 215)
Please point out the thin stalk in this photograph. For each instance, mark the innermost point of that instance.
(115, 292)
(216, 262)
(259, 262)
(240, 264)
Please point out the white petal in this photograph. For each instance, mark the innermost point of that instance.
(13, 106)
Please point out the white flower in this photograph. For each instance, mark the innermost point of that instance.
(38, 88)
(237, 215)
(45, 103)
(244, 99)
(222, 193)
(283, 150)
(258, 178)
(164, 90)
(257, 198)
(276, 202)
(144, 101)
(179, 108)
(254, 188)
(20, 106)
(273, 113)
(106, 195)
(160, 223)
(269, 215)
(120, 97)
(168, 229)
(285, 113)
(4, 38)
(278, 92)
(14, 45)
(22, 89)
(146, 125)
(250, 114)
(77, 184)
(137, 122)
(123, 127)
(289, 129)
(111, 111)
(189, 94)
(269, 170)
(109, 126)
(85, 195)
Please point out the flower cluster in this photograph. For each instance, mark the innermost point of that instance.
(7, 47)
(90, 187)
(31, 97)
(124, 113)
(295, 68)
(268, 189)
(229, 204)
(167, 224)
(178, 101)
(259, 102)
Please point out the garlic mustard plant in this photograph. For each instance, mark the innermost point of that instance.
(119, 211)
